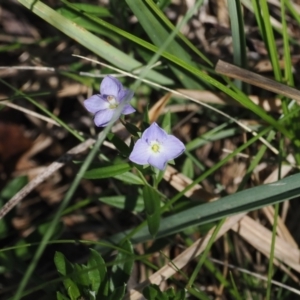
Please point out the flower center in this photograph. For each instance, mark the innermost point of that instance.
(155, 147)
(112, 102)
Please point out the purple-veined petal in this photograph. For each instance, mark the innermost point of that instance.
(140, 153)
(95, 103)
(128, 109)
(125, 95)
(110, 86)
(154, 133)
(172, 147)
(158, 161)
(103, 117)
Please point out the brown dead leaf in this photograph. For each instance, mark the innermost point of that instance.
(12, 141)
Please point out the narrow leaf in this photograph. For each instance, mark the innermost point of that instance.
(131, 203)
(130, 178)
(97, 272)
(63, 266)
(107, 172)
(90, 41)
(152, 208)
(122, 267)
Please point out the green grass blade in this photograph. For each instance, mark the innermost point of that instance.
(159, 35)
(288, 75)
(238, 39)
(263, 18)
(205, 252)
(292, 10)
(246, 200)
(44, 110)
(169, 24)
(98, 46)
(65, 202)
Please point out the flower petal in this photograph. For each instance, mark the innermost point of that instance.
(140, 153)
(95, 103)
(103, 117)
(158, 161)
(128, 109)
(154, 133)
(125, 95)
(110, 86)
(172, 147)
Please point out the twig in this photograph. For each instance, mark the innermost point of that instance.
(44, 175)
(233, 71)
(29, 112)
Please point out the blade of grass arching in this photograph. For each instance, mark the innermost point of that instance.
(238, 39)
(256, 161)
(215, 134)
(292, 40)
(169, 24)
(205, 252)
(247, 200)
(263, 18)
(272, 252)
(132, 37)
(274, 230)
(65, 202)
(288, 77)
(87, 24)
(210, 266)
(90, 41)
(44, 110)
(287, 60)
(292, 10)
(158, 35)
(121, 32)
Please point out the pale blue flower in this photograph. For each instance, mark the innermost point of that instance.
(103, 105)
(156, 148)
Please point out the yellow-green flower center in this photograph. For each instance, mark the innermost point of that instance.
(112, 102)
(155, 148)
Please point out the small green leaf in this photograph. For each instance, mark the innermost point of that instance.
(151, 200)
(60, 296)
(80, 275)
(95, 264)
(152, 208)
(180, 295)
(119, 144)
(72, 289)
(13, 187)
(131, 203)
(100, 11)
(151, 292)
(63, 266)
(166, 123)
(153, 223)
(107, 172)
(146, 115)
(130, 178)
(8, 192)
(132, 129)
(188, 168)
(122, 267)
(118, 293)
(98, 273)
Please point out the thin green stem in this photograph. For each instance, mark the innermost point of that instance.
(64, 204)
(205, 253)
